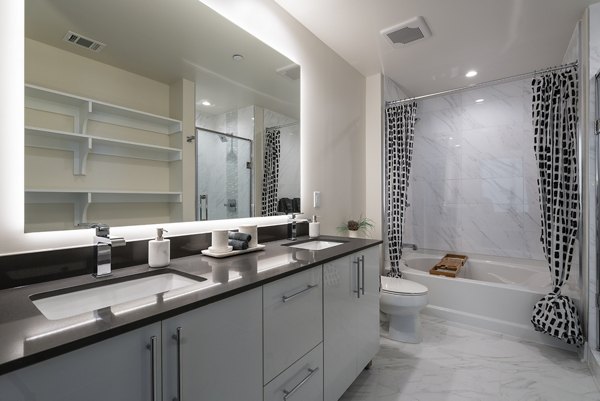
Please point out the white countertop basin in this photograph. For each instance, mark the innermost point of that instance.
(75, 302)
(316, 245)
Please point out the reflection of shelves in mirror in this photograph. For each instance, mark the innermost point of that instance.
(82, 199)
(82, 145)
(83, 109)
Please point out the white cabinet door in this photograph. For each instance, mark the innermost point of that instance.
(117, 369)
(293, 319)
(303, 381)
(217, 352)
(351, 319)
(339, 305)
(367, 326)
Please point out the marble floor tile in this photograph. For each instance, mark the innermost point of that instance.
(455, 363)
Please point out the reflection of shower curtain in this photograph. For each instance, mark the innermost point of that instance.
(555, 98)
(399, 138)
(271, 172)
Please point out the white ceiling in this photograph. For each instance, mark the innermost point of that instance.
(170, 40)
(498, 38)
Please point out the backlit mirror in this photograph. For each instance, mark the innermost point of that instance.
(153, 111)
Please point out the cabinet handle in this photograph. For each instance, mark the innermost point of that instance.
(362, 263)
(177, 337)
(357, 263)
(287, 393)
(309, 287)
(153, 373)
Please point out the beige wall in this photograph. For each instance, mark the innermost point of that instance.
(183, 173)
(52, 68)
(373, 127)
(67, 72)
(332, 110)
(332, 126)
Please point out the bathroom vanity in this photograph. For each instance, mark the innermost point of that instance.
(286, 323)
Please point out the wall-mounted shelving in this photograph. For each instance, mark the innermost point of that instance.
(82, 199)
(82, 142)
(82, 145)
(84, 109)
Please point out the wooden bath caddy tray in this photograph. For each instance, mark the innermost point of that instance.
(449, 266)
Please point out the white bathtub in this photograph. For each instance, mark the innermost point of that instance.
(490, 293)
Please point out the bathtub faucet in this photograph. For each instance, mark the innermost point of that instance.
(412, 246)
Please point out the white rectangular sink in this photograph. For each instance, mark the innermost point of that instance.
(316, 245)
(75, 302)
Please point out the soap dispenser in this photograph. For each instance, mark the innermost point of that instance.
(313, 228)
(159, 250)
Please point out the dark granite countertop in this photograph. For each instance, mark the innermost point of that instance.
(27, 336)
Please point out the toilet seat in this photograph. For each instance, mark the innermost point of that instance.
(400, 286)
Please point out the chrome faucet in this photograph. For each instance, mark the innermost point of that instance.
(104, 243)
(412, 246)
(292, 226)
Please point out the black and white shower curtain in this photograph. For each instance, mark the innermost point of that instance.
(399, 140)
(555, 102)
(270, 182)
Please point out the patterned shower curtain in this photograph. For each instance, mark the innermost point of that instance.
(271, 172)
(399, 139)
(555, 99)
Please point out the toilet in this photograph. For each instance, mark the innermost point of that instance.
(402, 300)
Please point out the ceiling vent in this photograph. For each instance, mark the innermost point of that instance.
(407, 32)
(291, 72)
(82, 41)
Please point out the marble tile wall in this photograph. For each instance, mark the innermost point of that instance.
(289, 162)
(473, 181)
(594, 68)
(212, 152)
(392, 90)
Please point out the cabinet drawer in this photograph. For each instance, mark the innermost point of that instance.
(303, 381)
(293, 319)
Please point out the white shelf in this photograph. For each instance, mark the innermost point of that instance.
(81, 199)
(82, 145)
(84, 109)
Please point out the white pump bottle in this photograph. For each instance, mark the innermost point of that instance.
(159, 250)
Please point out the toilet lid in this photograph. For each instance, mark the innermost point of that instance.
(402, 286)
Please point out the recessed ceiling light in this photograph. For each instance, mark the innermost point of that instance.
(237, 57)
(471, 74)
(206, 103)
(479, 100)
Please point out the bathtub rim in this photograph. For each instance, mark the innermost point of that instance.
(538, 266)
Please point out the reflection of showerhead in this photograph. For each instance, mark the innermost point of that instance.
(223, 138)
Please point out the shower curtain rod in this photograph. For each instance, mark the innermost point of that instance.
(282, 125)
(482, 84)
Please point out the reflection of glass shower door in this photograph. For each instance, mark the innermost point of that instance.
(223, 176)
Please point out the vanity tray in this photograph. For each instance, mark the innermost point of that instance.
(232, 253)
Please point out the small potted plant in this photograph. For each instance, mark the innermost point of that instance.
(357, 228)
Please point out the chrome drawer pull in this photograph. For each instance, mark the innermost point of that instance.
(153, 377)
(362, 263)
(309, 287)
(357, 263)
(177, 337)
(287, 393)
